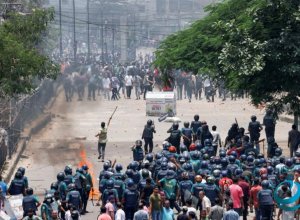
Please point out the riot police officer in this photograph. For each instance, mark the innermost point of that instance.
(149, 129)
(30, 202)
(269, 123)
(187, 134)
(73, 197)
(138, 153)
(265, 201)
(89, 186)
(130, 200)
(175, 136)
(17, 185)
(254, 129)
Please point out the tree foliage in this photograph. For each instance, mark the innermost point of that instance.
(22, 60)
(253, 44)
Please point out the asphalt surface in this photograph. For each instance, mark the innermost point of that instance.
(70, 137)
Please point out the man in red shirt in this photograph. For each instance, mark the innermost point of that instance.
(253, 197)
(104, 215)
(236, 195)
(224, 182)
(246, 190)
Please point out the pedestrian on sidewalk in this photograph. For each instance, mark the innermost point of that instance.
(293, 140)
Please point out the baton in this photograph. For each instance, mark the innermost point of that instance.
(112, 116)
(92, 199)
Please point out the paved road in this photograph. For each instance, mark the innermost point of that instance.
(57, 145)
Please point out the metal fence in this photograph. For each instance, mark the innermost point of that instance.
(15, 114)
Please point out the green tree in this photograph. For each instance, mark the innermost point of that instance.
(254, 45)
(21, 58)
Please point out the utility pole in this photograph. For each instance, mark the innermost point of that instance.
(102, 35)
(60, 32)
(74, 33)
(113, 42)
(179, 15)
(88, 29)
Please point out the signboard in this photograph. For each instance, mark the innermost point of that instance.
(159, 103)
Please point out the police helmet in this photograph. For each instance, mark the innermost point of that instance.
(172, 149)
(250, 159)
(246, 138)
(149, 157)
(217, 160)
(198, 145)
(253, 118)
(158, 156)
(257, 162)
(85, 167)
(170, 174)
(238, 172)
(192, 147)
(243, 157)
(175, 125)
(54, 186)
(231, 159)
(119, 167)
(196, 117)
(110, 184)
(188, 167)
(224, 173)
(22, 170)
(297, 153)
(212, 160)
(207, 142)
(222, 153)
(75, 215)
(234, 153)
(205, 157)
(149, 122)
(186, 124)
(68, 170)
(210, 179)
(164, 165)
(166, 145)
(204, 165)
(224, 162)
(130, 183)
(107, 175)
(138, 143)
(282, 159)
(134, 165)
(29, 191)
(18, 175)
(129, 173)
(278, 152)
(71, 187)
(265, 184)
(106, 165)
(145, 173)
(60, 176)
(289, 162)
(270, 169)
(216, 173)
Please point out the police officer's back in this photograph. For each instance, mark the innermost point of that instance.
(17, 185)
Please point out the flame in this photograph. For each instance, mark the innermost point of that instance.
(85, 161)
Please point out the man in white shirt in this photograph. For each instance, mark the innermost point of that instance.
(106, 86)
(216, 139)
(120, 214)
(206, 205)
(128, 84)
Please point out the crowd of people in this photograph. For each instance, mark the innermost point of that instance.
(194, 176)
